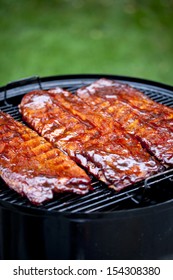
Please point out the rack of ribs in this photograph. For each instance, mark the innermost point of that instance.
(98, 144)
(150, 122)
(31, 166)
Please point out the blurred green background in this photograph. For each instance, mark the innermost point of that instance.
(123, 37)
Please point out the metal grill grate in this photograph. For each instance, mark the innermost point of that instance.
(101, 198)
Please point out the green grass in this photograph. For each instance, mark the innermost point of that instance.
(125, 37)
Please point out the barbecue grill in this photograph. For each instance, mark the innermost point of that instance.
(135, 223)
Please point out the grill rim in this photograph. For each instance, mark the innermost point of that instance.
(71, 77)
(43, 82)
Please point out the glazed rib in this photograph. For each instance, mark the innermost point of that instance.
(33, 167)
(151, 123)
(58, 126)
(152, 112)
(98, 144)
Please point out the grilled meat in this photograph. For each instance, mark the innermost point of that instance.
(151, 123)
(33, 167)
(97, 143)
(152, 111)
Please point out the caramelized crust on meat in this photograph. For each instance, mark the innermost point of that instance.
(33, 167)
(58, 126)
(150, 122)
(152, 112)
(99, 144)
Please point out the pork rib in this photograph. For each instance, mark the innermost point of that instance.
(151, 123)
(33, 167)
(97, 143)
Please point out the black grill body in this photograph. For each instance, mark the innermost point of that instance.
(136, 223)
